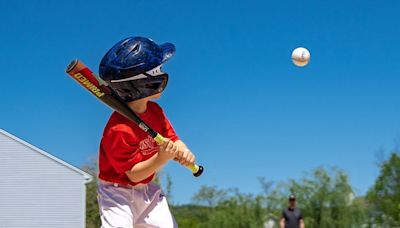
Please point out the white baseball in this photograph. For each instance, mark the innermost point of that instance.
(300, 56)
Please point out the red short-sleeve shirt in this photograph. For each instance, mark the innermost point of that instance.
(124, 144)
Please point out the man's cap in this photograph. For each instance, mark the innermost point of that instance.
(292, 197)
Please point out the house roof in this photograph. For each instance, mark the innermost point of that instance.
(88, 178)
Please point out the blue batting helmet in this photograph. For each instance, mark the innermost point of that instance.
(133, 67)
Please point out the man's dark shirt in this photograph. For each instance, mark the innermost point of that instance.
(292, 217)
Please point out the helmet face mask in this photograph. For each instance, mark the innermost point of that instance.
(133, 67)
(141, 88)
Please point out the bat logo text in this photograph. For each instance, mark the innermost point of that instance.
(143, 127)
(87, 84)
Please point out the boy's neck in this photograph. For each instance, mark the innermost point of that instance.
(139, 106)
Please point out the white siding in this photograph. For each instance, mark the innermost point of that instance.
(38, 190)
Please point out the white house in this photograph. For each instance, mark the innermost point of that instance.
(38, 189)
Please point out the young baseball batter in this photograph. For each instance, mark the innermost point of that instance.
(129, 158)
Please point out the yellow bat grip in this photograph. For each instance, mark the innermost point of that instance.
(159, 139)
(196, 170)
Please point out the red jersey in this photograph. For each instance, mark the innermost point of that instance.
(124, 144)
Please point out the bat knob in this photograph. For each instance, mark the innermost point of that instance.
(71, 65)
(199, 172)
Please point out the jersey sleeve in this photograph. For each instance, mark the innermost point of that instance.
(283, 214)
(167, 129)
(300, 216)
(121, 148)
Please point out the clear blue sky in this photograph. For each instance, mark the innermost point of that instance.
(234, 96)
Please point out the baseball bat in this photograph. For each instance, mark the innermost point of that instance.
(102, 91)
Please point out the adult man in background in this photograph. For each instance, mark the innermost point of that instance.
(291, 216)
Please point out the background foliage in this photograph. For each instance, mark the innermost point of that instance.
(324, 195)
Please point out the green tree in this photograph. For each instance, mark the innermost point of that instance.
(274, 198)
(92, 207)
(222, 208)
(190, 216)
(239, 210)
(210, 196)
(384, 196)
(325, 198)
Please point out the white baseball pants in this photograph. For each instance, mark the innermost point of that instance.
(133, 207)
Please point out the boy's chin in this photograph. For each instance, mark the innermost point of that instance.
(155, 96)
